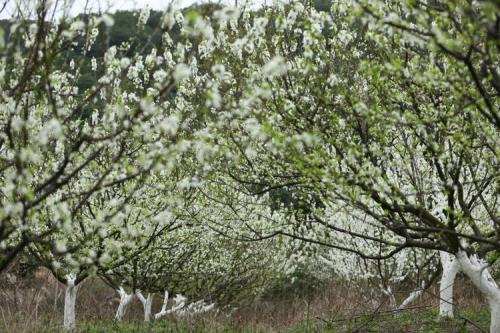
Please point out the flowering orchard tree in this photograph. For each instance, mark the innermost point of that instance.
(198, 264)
(151, 271)
(77, 166)
(389, 109)
(95, 247)
(387, 281)
(152, 245)
(309, 246)
(60, 147)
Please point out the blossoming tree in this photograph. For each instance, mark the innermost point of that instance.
(387, 109)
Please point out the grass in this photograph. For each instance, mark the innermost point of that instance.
(424, 321)
(156, 327)
(419, 321)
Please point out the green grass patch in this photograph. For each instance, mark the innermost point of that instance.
(422, 321)
(159, 327)
(407, 321)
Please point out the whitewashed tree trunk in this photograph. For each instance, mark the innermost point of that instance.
(196, 308)
(451, 267)
(412, 297)
(477, 270)
(163, 310)
(392, 299)
(147, 303)
(70, 302)
(179, 303)
(125, 300)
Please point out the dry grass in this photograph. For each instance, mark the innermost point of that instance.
(343, 301)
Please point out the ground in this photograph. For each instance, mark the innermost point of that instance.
(35, 305)
(414, 321)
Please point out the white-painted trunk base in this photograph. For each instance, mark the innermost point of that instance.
(451, 267)
(147, 303)
(125, 300)
(179, 303)
(179, 308)
(411, 298)
(477, 270)
(70, 303)
(392, 299)
(495, 317)
(163, 311)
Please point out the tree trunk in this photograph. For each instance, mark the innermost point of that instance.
(125, 300)
(179, 303)
(163, 310)
(70, 302)
(495, 317)
(477, 270)
(426, 284)
(411, 298)
(147, 302)
(450, 269)
(147, 307)
(392, 299)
